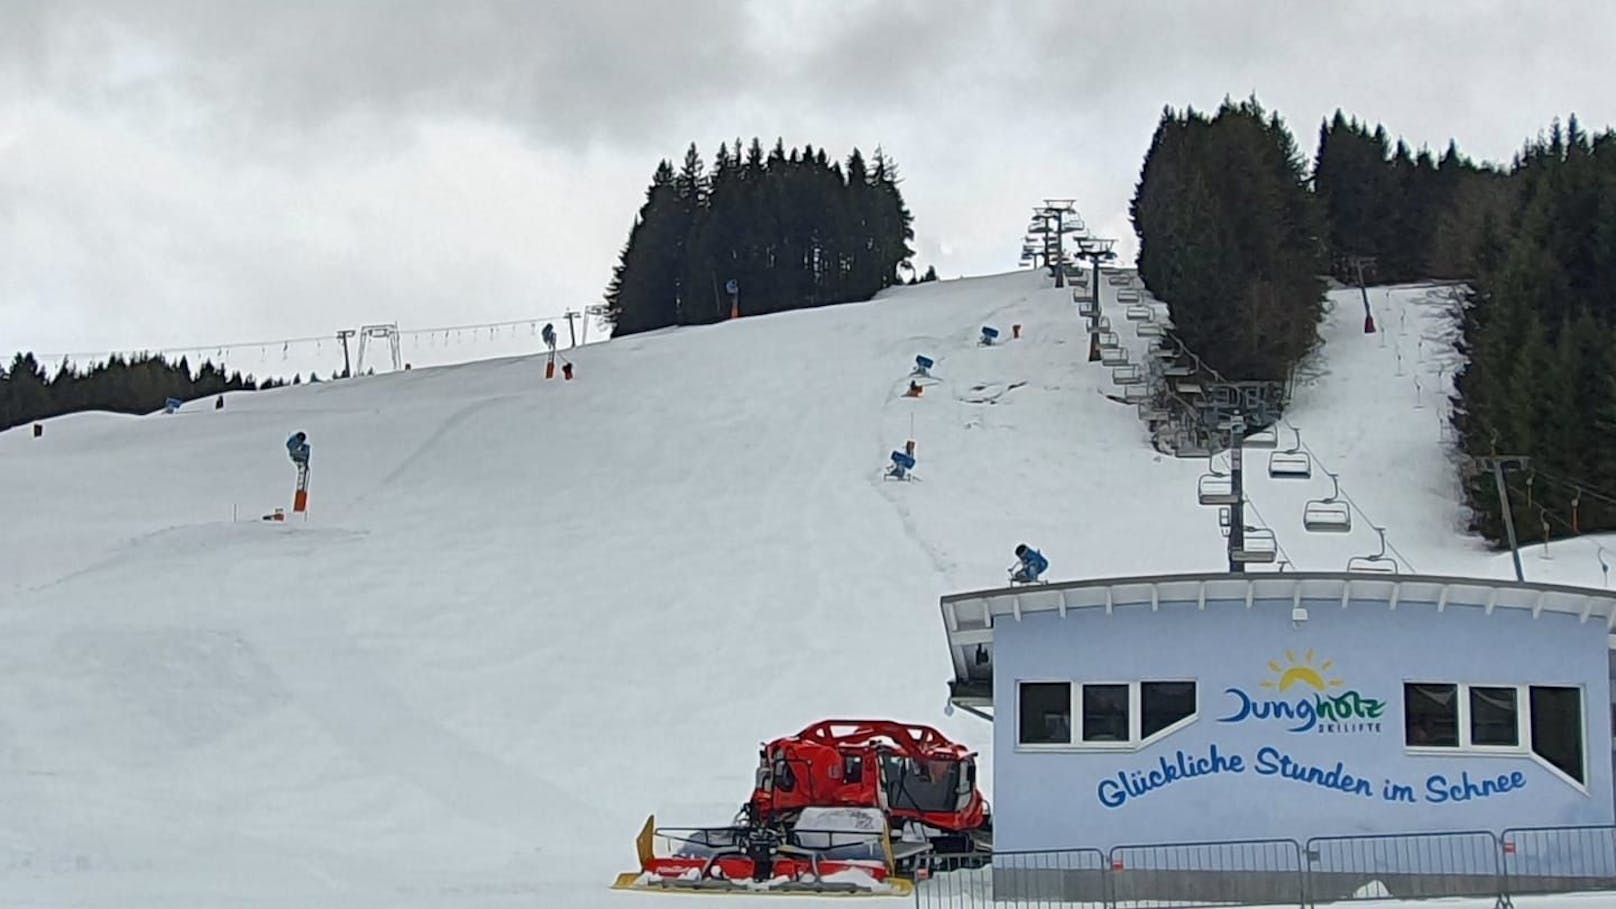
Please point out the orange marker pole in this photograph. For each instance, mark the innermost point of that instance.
(300, 499)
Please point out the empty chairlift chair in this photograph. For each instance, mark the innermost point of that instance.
(1128, 295)
(1114, 356)
(1088, 309)
(1266, 437)
(1137, 312)
(1109, 339)
(1258, 546)
(1150, 329)
(1214, 487)
(1127, 375)
(1329, 514)
(1291, 464)
(1378, 563)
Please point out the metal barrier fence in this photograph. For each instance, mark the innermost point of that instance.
(1069, 878)
(1402, 866)
(1558, 859)
(1247, 872)
(1278, 872)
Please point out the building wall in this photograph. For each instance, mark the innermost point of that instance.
(1054, 799)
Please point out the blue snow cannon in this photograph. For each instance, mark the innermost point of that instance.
(172, 405)
(923, 365)
(989, 334)
(902, 463)
(297, 448)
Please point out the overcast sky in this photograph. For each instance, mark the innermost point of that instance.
(187, 173)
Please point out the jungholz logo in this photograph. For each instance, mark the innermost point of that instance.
(1330, 707)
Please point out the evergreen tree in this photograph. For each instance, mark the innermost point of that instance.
(788, 226)
(1228, 238)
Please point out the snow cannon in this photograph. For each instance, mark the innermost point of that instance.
(172, 405)
(902, 463)
(923, 365)
(989, 335)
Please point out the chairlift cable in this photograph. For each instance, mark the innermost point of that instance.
(1342, 492)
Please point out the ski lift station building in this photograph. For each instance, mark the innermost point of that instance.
(1219, 707)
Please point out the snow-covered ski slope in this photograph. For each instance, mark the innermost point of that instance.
(524, 614)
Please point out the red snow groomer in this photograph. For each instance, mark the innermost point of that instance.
(843, 807)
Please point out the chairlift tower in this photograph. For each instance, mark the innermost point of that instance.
(386, 332)
(342, 337)
(1057, 215)
(1243, 414)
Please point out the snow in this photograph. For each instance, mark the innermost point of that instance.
(523, 615)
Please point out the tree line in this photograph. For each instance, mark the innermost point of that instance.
(136, 385)
(1537, 329)
(1402, 215)
(762, 233)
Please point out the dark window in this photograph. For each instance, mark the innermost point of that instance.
(1430, 715)
(913, 785)
(1557, 728)
(852, 768)
(1046, 713)
(1105, 713)
(1493, 717)
(1162, 704)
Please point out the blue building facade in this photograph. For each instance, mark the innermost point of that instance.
(1220, 707)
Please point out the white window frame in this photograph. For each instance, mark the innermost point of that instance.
(1073, 721)
(1136, 714)
(1523, 726)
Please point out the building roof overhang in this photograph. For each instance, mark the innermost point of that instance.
(969, 618)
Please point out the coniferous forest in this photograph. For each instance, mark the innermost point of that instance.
(134, 385)
(789, 229)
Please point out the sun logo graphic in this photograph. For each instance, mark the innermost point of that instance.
(1306, 672)
(1308, 696)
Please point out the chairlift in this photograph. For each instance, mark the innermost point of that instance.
(1187, 388)
(1103, 323)
(1329, 514)
(1128, 296)
(1116, 279)
(1291, 464)
(1215, 487)
(1114, 356)
(1150, 329)
(1257, 545)
(1224, 518)
(1138, 312)
(1135, 394)
(1177, 370)
(1088, 309)
(1127, 375)
(1109, 339)
(1378, 563)
(1266, 437)
(1152, 414)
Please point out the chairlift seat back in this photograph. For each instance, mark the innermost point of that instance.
(1321, 516)
(1290, 465)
